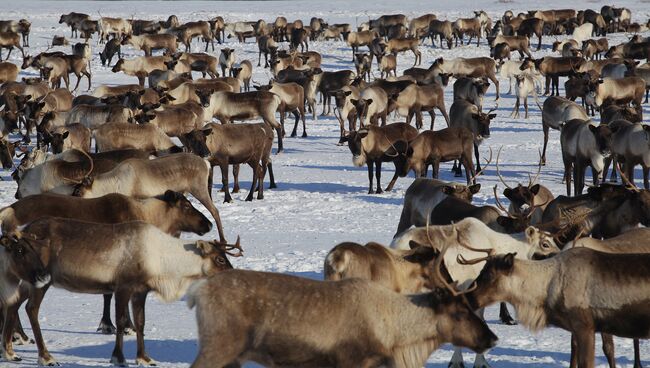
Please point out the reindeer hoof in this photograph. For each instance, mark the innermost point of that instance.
(235, 190)
(118, 362)
(227, 200)
(273, 186)
(304, 135)
(47, 362)
(260, 197)
(379, 191)
(12, 357)
(371, 191)
(146, 361)
(18, 339)
(129, 331)
(249, 198)
(106, 328)
(508, 321)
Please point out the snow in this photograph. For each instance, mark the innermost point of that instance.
(321, 199)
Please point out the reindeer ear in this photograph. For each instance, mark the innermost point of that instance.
(413, 244)
(504, 221)
(492, 116)
(474, 188)
(530, 232)
(593, 128)
(170, 196)
(66, 134)
(353, 101)
(204, 247)
(508, 261)
(363, 133)
(507, 192)
(6, 241)
(476, 116)
(448, 189)
(206, 131)
(369, 101)
(535, 189)
(421, 254)
(347, 93)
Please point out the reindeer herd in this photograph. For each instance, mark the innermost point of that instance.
(108, 220)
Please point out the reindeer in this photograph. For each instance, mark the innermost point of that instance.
(524, 86)
(467, 115)
(453, 242)
(111, 48)
(556, 111)
(443, 29)
(414, 99)
(140, 66)
(9, 40)
(171, 213)
(74, 21)
(413, 350)
(423, 195)
(404, 44)
(149, 43)
(254, 142)
(628, 89)
(373, 145)
(133, 243)
(539, 305)
(469, 67)
(146, 137)
(471, 90)
(74, 136)
(8, 72)
(584, 144)
(433, 147)
(363, 65)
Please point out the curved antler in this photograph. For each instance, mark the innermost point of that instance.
(487, 163)
(628, 184)
(498, 202)
(92, 166)
(498, 171)
(531, 182)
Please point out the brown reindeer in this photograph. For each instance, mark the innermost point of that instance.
(9, 40)
(415, 99)
(253, 147)
(72, 244)
(433, 147)
(350, 306)
(373, 145)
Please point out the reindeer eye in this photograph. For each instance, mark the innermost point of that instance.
(220, 260)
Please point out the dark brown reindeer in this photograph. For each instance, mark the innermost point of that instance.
(553, 68)
(524, 197)
(373, 145)
(584, 144)
(466, 115)
(423, 195)
(253, 147)
(433, 147)
(132, 243)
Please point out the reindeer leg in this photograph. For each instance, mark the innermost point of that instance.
(546, 129)
(32, 308)
(224, 181)
(271, 177)
(573, 360)
(260, 181)
(19, 335)
(378, 176)
(11, 315)
(608, 349)
(637, 356)
(526, 107)
(121, 305)
(295, 126)
(478, 162)
(585, 348)
(504, 315)
(106, 326)
(254, 165)
(370, 173)
(137, 302)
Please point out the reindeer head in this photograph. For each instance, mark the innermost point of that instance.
(28, 257)
(483, 120)
(490, 282)
(217, 252)
(189, 219)
(355, 145)
(118, 66)
(7, 152)
(603, 135)
(196, 141)
(57, 141)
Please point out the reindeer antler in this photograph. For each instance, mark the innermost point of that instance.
(628, 184)
(487, 163)
(498, 171)
(539, 170)
(228, 248)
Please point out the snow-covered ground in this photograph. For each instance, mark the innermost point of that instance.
(321, 199)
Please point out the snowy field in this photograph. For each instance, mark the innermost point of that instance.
(321, 199)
